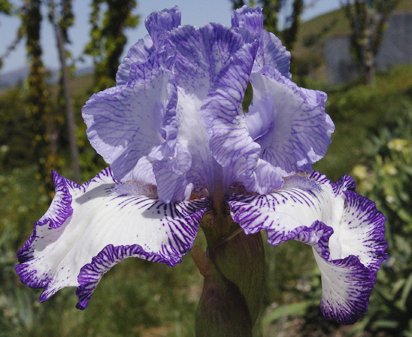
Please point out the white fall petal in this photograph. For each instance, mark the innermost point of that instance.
(90, 228)
(345, 230)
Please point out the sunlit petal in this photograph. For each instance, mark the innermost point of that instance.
(90, 228)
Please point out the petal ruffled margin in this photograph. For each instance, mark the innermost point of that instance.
(289, 123)
(271, 54)
(345, 230)
(90, 228)
(134, 128)
(158, 24)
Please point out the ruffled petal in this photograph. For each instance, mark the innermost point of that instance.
(201, 54)
(345, 230)
(128, 122)
(271, 56)
(276, 58)
(139, 53)
(171, 173)
(90, 228)
(301, 202)
(159, 24)
(346, 287)
(288, 122)
(248, 22)
(230, 143)
(209, 62)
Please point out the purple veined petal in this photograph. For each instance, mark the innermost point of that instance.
(346, 183)
(171, 164)
(193, 139)
(104, 223)
(275, 56)
(289, 123)
(203, 58)
(229, 142)
(361, 232)
(125, 123)
(346, 287)
(345, 230)
(265, 177)
(223, 110)
(159, 24)
(248, 22)
(271, 56)
(299, 203)
(139, 53)
(201, 54)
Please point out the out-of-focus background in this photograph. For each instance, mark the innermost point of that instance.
(55, 53)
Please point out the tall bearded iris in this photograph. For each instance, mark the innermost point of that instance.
(179, 147)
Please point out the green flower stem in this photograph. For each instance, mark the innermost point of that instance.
(233, 271)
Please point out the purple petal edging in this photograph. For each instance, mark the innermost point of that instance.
(59, 211)
(91, 273)
(370, 214)
(346, 183)
(317, 235)
(29, 277)
(362, 284)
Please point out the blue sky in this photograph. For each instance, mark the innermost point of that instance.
(194, 12)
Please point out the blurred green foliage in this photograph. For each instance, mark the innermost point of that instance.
(108, 38)
(385, 176)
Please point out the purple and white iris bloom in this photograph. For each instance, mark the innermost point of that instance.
(179, 145)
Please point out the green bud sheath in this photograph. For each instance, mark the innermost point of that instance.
(233, 288)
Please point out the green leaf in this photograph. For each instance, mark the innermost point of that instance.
(293, 309)
(406, 291)
(385, 324)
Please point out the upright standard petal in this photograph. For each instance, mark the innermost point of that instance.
(158, 24)
(289, 123)
(201, 54)
(128, 122)
(271, 56)
(139, 53)
(345, 229)
(208, 62)
(90, 228)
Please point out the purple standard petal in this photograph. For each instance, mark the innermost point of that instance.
(248, 22)
(345, 229)
(139, 53)
(203, 58)
(201, 54)
(127, 122)
(289, 124)
(271, 56)
(158, 24)
(104, 223)
(230, 143)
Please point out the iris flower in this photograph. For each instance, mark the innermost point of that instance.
(179, 145)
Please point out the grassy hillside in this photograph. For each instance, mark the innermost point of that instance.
(361, 111)
(336, 22)
(313, 33)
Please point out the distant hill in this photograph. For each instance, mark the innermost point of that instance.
(12, 78)
(313, 34)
